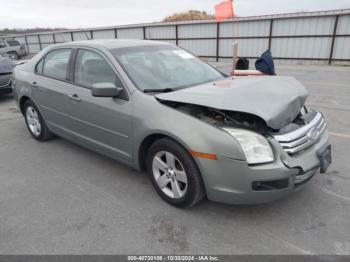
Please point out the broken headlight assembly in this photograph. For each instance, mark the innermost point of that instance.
(256, 148)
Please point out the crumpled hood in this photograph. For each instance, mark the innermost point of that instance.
(275, 99)
(6, 65)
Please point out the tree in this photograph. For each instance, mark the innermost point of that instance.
(189, 15)
(7, 31)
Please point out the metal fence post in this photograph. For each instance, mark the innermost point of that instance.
(71, 36)
(144, 32)
(333, 39)
(54, 38)
(115, 33)
(92, 34)
(270, 34)
(26, 40)
(40, 46)
(217, 41)
(177, 34)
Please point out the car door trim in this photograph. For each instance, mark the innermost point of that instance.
(86, 123)
(93, 141)
(71, 65)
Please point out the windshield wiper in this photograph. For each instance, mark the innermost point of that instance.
(160, 90)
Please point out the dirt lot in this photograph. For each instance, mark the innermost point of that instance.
(58, 198)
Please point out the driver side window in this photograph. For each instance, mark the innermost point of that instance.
(91, 68)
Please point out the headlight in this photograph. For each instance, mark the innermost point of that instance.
(255, 147)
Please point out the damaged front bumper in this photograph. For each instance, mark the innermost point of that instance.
(235, 182)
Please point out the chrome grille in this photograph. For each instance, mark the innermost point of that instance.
(304, 137)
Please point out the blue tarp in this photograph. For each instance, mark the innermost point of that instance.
(265, 63)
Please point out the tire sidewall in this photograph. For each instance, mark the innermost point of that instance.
(42, 122)
(194, 183)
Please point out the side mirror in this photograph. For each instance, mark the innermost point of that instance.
(105, 90)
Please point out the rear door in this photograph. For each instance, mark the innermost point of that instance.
(50, 88)
(103, 122)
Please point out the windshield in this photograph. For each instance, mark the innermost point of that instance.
(163, 67)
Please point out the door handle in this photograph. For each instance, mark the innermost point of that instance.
(75, 98)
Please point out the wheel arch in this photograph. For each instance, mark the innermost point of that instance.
(152, 138)
(22, 102)
(146, 143)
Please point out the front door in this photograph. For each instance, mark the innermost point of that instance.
(103, 122)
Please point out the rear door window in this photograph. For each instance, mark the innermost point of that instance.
(56, 64)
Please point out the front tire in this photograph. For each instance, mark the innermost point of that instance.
(174, 174)
(35, 122)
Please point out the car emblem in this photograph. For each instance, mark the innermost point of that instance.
(312, 134)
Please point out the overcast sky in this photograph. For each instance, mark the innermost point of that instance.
(95, 13)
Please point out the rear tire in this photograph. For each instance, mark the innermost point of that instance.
(35, 122)
(174, 174)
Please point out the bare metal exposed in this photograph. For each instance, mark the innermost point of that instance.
(198, 132)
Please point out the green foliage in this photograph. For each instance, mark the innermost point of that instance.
(13, 31)
(189, 15)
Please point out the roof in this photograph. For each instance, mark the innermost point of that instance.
(113, 43)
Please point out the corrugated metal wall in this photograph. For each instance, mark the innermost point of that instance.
(317, 37)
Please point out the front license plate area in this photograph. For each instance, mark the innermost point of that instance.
(325, 157)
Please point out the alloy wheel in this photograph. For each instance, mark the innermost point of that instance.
(169, 174)
(33, 120)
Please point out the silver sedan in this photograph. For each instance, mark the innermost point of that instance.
(156, 107)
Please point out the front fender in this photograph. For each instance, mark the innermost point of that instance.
(152, 117)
